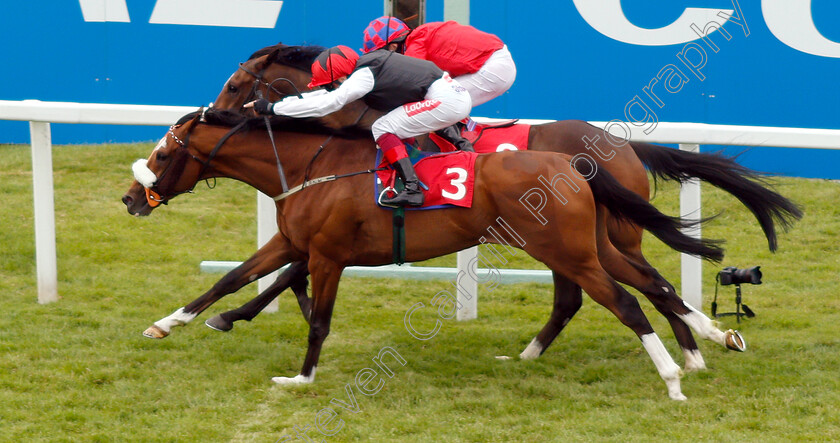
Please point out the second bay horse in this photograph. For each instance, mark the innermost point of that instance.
(281, 70)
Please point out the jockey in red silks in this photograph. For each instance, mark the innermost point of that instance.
(479, 61)
(417, 96)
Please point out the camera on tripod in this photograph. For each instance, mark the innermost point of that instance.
(731, 275)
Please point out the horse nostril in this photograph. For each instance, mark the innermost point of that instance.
(126, 200)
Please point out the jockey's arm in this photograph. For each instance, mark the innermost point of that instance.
(355, 87)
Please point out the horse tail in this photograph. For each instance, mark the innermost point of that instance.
(748, 186)
(627, 205)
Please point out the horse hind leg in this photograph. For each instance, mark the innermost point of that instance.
(627, 309)
(664, 297)
(607, 292)
(682, 316)
(294, 277)
(704, 326)
(621, 256)
(567, 301)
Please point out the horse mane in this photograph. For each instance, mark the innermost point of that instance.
(226, 118)
(298, 57)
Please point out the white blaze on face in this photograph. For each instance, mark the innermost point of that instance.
(141, 170)
(160, 144)
(143, 174)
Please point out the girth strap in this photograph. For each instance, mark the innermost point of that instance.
(399, 227)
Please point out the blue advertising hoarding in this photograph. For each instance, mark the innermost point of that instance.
(737, 62)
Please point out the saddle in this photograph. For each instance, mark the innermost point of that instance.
(490, 137)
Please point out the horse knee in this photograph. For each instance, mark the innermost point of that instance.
(317, 333)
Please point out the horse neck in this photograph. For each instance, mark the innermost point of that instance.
(249, 157)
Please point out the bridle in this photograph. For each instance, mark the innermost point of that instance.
(259, 78)
(153, 194)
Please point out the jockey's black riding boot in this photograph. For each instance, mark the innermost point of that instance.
(452, 134)
(412, 195)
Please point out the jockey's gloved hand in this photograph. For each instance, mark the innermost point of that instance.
(263, 106)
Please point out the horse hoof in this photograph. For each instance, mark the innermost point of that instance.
(155, 332)
(678, 397)
(218, 323)
(533, 350)
(296, 380)
(735, 341)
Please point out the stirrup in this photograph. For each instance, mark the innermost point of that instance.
(384, 193)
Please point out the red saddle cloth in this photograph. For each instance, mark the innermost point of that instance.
(450, 178)
(495, 137)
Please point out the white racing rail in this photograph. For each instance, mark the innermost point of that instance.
(40, 114)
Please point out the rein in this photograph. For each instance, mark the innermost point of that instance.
(306, 182)
(256, 92)
(325, 179)
(205, 165)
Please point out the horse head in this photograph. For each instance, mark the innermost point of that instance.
(272, 73)
(170, 170)
(278, 71)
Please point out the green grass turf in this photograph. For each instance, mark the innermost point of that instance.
(79, 369)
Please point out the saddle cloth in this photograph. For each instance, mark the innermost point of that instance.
(492, 137)
(448, 178)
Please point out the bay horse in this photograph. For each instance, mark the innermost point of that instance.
(280, 70)
(332, 225)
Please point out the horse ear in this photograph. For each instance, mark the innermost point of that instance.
(199, 116)
(268, 59)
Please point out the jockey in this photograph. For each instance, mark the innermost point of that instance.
(417, 96)
(479, 61)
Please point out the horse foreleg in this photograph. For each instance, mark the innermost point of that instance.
(294, 277)
(567, 301)
(325, 277)
(268, 258)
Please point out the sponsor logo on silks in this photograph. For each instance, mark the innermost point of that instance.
(415, 108)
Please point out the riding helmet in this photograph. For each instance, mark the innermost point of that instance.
(333, 64)
(382, 31)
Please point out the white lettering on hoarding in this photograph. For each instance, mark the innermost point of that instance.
(104, 10)
(607, 17)
(234, 13)
(792, 23)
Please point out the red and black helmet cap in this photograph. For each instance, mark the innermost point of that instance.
(333, 64)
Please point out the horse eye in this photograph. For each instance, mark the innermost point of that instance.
(161, 156)
(233, 89)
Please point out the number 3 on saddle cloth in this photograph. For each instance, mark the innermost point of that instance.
(447, 178)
